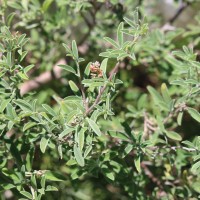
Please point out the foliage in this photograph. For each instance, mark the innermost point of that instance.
(123, 127)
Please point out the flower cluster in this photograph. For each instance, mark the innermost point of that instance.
(95, 70)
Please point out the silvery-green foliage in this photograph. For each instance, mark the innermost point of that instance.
(82, 130)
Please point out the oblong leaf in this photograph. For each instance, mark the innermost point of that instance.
(43, 144)
(49, 110)
(68, 68)
(194, 114)
(78, 156)
(111, 41)
(73, 86)
(94, 127)
(74, 49)
(173, 135)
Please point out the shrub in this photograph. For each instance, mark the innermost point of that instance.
(123, 125)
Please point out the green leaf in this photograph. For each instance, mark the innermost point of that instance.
(46, 5)
(104, 65)
(7, 186)
(24, 3)
(54, 176)
(196, 166)
(71, 162)
(49, 110)
(29, 158)
(78, 156)
(130, 22)
(105, 54)
(110, 175)
(9, 59)
(43, 181)
(22, 75)
(87, 70)
(122, 56)
(68, 68)
(66, 132)
(73, 87)
(26, 194)
(111, 41)
(165, 93)
(127, 150)
(67, 48)
(157, 97)
(74, 50)
(28, 68)
(51, 188)
(87, 151)
(29, 125)
(94, 127)
(15, 5)
(21, 39)
(4, 104)
(188, 143)
(43, 144)
(197, 157)
(194, 114)
(60, 151)
(160, 123)
(137, 164)
(33, 181)
(118, 135)
(120, 37)
(10, 18)
(25, 106)
(173, 135)
(81, 138)
(141, 103)
(72, 98)
(179, 118)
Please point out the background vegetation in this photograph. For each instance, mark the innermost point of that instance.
(118, 117)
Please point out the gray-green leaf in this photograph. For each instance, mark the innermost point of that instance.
(43, 144)
(78, 156)
(94, 127)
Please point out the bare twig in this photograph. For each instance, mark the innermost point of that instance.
(180, 108)
(42, 78)
(182, 7)
(168, 25)
(151, 175)
(148, 125)
(91, 24)
(114, 71)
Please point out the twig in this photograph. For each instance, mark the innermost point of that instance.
(168, 25)
(115, 69)
(42, 78)
(180, 108)
(145, 125)
(182, 7)
(151, 176)
(90, 25)
(173, 148)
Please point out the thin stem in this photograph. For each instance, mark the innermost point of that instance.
(182, 7)
(81, 87)
(115, 69)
